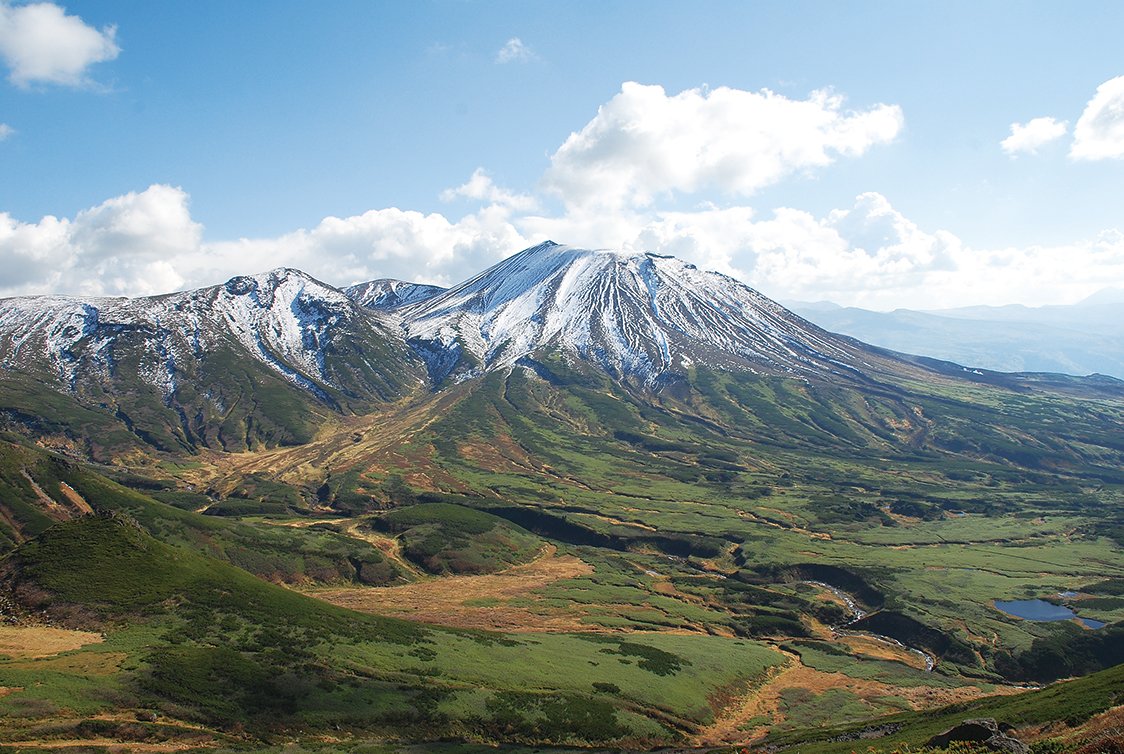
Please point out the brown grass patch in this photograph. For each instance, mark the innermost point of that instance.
(455, 600)
(83, 663)
(866, 646)
(1106, 725)
(27, 642)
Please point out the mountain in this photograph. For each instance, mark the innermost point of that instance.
(230, 366)
(385, 293)
(635, 505)
(1078, 339)
(638, 315)
(261, 360)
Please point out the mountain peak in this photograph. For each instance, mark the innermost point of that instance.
(387, 293)
(636, 313)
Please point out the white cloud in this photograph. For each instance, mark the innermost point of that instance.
(481, 187)
(868, 254)
(1099, 133)
(644, 144)
(514, 51)
(1033, 134)
(127, 245)
(147, 243)
(379, 243)
(40, 43)
(6, 131)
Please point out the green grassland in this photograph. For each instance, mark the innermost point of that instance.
(759, 477)
(446, 538)
(203, 642)
(701, 510)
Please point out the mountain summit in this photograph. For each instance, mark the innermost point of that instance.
(636, 314)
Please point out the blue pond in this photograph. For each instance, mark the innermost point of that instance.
(1041, 610)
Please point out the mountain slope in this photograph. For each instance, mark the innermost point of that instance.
(637, 315)
(202, 641)
(233, 366)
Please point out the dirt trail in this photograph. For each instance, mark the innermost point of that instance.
(727, 726)
(388, 546)
(473, 601)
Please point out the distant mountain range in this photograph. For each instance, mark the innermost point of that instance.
(1078, 339)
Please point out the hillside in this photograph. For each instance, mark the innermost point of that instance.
(607, 489)
(257, 362)
(222, 656)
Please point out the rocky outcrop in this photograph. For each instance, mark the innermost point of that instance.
(994, 736)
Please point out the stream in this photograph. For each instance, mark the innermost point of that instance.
(857, 614)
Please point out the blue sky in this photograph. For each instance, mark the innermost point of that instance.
(152, 146)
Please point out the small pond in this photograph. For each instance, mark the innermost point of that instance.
(1041, 610)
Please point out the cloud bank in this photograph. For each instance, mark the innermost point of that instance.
(616, 180)
(41, 44)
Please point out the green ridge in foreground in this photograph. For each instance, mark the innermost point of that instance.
(199, 640)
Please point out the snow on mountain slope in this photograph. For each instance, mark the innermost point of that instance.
(385, 294)
(283, 319)
(635, 314)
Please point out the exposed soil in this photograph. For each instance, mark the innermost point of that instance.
(77, 501)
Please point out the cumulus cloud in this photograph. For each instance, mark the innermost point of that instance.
(404, 244)
(514, 51)
(1099, 133)
(481, 187)
(645, 144)
(1030, 136)
(641, 146)
(6, 131)
(868, 254)
(123, 246)
(40, 43)
(146, 243)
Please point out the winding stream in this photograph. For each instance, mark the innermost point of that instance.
(857, 614)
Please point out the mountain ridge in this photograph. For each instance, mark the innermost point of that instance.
(261, 360)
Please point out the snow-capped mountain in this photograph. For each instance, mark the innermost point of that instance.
(284, 319)
(235, 363)
(385, 294)
(635, 314)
